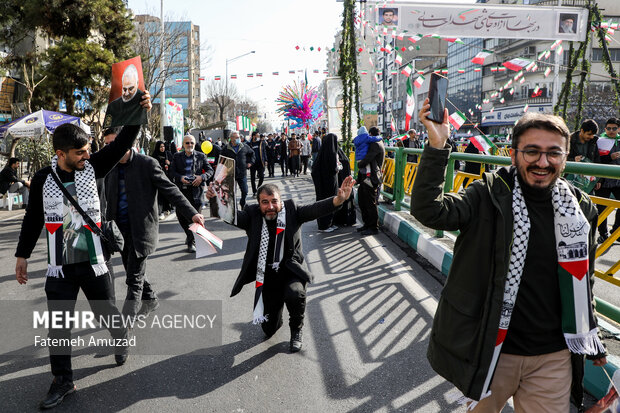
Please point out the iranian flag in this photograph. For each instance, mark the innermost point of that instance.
(218, 77)
(410, 103)
(555, 44)
(407, 70)
(381, 97)
(457, 119)
(392, 125)
(605, 145)
(243, 123)
(419, 81)
(517, 64)
(479, 58)
(259, 75)
(415, 38)
(461, 71)
(233, 76)
(547, 71)
(482, 143)
(399, 59)
(275, 73)
(370, 61)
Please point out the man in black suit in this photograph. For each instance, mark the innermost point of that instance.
(190, 170)
(126, 109)
(274, 258)
(367, 193)
(131, 190)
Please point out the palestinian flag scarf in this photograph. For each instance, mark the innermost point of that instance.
(259, 315)
(571, 237)
(53, 211)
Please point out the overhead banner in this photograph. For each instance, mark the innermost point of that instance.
(488, 20)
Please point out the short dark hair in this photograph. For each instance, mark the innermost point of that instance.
(69, 136)
(112, 131)
(254, 133)
(393, 11)
(269, 189)
(541, 121)
(12, 161)
(589, 125)
(374, 131)
(612, 121)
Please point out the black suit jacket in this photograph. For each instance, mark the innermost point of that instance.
(251, 220)
(120, 113)
(143, 179)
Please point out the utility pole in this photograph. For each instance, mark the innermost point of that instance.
(162, 98)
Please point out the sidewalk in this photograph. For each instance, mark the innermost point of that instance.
(5, 214)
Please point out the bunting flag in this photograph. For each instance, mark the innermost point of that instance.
(522, 80)
(560, 49)
(364, 72)
(399, 59)
(547, 54)
(482, 143)
(479, 58)
(370, 60)
(392, 125)
(243, 123)
(419, 81)
(556, 44)
(517, 64)
(393, 72)
(477, 69)
(275, 73)
(410, 103)
(233, 76)
(201, 78)
(407, 70)
(415, 38)
(381, 97)
(457, 119)
(259, 75)
(461, 71)
(250, 74)
(315, 71)
(526, 108)
(218, 77)
(547, 71)
(493, 69)
(291, 72)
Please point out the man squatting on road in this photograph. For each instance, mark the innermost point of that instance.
(274, 259)
(516, 314)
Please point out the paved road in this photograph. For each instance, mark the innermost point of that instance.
(367, 326)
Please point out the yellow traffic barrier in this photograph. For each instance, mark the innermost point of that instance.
(411, 170)
(387, 170)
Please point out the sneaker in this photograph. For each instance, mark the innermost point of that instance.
(333, 228)
(191, 248)
(121, 355)
(370, 231)
(148, 306)
(330, 229)
(162, 217)
(602, 238)
(58, 390)
(362, 228)
(296, 340)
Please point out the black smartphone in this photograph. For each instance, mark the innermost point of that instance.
(437, 91)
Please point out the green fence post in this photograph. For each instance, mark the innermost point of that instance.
(448, 184)
(399, 171)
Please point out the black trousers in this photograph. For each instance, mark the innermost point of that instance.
(257, 169)
(605, 193)
(367, 199)
(284, 165)
(184, 222)
(280, 289)
(61, 295)
(304, 163)
(294, 166)
(271, 166)
(138, 287)
(163, 203)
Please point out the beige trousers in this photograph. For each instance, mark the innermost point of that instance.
(536, 383)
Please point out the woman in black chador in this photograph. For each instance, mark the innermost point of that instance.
(164, 158)
(325, 177)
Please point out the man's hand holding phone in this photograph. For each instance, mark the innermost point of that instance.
(438, 133)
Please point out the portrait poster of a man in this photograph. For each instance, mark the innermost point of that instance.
(388, 16)
(125, 94)
(568, 23)
(224, 186)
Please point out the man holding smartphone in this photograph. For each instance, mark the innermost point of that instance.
(515, 317)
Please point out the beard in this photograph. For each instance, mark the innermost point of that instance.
(524, 169)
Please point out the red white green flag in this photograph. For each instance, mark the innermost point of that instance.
(399, 59)
(275, 73)
(547, 71)
(381, 97)
(392, 125)
(415, 38)
(517, 64)
(479, 58)
(243, 123)
(461, 70)
(218, 77)
(233, 76)
(410, 103)
(419, 81)
(482, 143)
(526, 108)
(457, 119)
(555, 44)
(407, 70)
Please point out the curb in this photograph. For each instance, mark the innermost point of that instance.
(595, 381)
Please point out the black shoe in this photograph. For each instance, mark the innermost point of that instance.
(296, 341)
(362, 228)
(148, 306)
(370, 231)
(58, 390)
(121, 356)
(191, 247)
(602, 238)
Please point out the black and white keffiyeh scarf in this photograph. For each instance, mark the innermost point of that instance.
(53, 204)
(259, 315)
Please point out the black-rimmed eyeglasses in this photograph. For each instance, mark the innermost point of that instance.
(533, 155)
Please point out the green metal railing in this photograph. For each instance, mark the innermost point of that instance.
(588, 169)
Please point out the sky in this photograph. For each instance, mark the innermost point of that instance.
(272, 28)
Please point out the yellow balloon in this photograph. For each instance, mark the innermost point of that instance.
(206, 147)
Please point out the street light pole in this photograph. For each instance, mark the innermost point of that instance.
(162, 97)
(231, 60)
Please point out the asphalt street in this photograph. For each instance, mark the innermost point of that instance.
(368, 320)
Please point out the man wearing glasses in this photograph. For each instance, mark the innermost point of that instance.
(515, 317)
(190, 170)
(609, 186)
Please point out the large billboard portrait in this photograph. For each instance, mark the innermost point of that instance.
(125, 94)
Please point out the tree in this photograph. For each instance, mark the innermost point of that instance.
(223, 98)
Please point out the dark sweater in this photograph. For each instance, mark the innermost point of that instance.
(536, 323)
